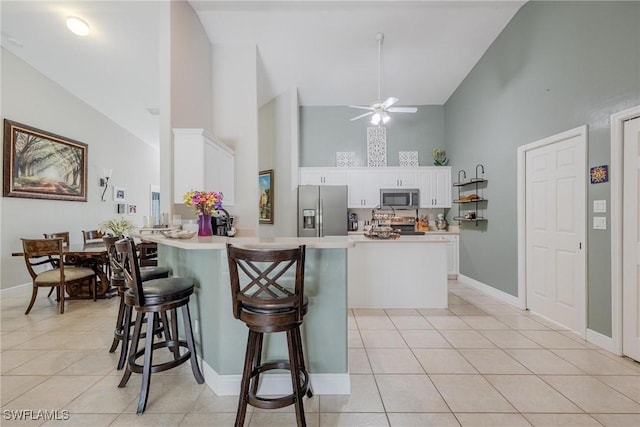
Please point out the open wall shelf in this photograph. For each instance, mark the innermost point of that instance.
(470, 204)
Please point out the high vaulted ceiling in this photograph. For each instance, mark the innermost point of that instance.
(327, 49)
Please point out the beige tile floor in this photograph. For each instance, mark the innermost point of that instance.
(479, 363)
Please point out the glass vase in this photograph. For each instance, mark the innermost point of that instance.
(204, 225)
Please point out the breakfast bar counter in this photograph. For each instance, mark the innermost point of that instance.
(221, 339)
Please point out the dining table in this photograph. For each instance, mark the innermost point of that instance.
(93, 255)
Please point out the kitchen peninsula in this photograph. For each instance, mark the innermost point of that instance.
(341, 272)
(221, 339)
(408, 272)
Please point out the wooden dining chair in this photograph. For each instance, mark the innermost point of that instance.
(92, 236)
(64, 235)
(40, 252)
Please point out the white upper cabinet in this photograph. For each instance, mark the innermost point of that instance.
(435, 187)
(322, 176)
(202, 162)
(364, 188)
(392, 177)
(365, 183)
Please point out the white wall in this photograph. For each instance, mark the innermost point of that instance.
(185, 87)
(32, 99)
(278, 150)
(235, 122)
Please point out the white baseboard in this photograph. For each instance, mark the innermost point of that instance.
(603, 341)
(15, 291)
(593, 337)
(496, 293)
(274, 384)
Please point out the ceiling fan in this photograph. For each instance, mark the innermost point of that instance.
(378, 109)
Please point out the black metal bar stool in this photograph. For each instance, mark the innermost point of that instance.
(268, 300)
(154, 299)
(122, 330)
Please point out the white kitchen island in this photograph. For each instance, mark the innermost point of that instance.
(407, 272)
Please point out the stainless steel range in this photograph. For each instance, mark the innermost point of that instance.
(406, 225)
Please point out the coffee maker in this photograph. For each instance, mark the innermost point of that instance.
(352, 221)
(221, 223)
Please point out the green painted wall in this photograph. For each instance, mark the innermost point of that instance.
(327, 129)
(556, 66)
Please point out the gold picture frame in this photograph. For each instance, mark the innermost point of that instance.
(41, 165)
(265, 200)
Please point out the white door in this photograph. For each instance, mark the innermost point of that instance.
(631, 241)
(555, 229)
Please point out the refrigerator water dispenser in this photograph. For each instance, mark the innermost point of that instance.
(309, 218)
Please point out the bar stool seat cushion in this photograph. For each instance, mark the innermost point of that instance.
(150, 273)
(275, 307)
(172, 286)
(70, 273)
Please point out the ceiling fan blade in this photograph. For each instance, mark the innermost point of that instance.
(362, 107)
(361, 116)
(402, 109)
(388, 103)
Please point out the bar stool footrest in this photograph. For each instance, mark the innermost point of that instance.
(138, 369)
(282, 401)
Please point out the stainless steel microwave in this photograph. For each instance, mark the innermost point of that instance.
(400, 198)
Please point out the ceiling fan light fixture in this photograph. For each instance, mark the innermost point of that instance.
(375, 119)
(77, 26)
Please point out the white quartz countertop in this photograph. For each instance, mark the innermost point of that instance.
(330, 242)
(220, 242)
(360, 238)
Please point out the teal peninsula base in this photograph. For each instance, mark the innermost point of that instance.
(221, 339)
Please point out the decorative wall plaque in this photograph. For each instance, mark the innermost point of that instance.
(345, 159)
(376, 147)
(408, 158)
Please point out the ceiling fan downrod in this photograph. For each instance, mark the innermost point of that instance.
(380, 38)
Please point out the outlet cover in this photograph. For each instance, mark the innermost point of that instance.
(599, 206)
(599, 222)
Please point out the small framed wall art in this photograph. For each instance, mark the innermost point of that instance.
(119, 194)
(599, 174)
(265, 201)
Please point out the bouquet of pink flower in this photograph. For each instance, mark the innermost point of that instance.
(205, 202)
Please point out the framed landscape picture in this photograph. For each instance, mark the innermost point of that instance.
(41, 165)
(265, 201)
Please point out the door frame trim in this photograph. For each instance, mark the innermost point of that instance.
(616, 180)
(581, 131)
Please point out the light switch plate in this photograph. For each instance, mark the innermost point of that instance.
(599, 222)
(599, 206)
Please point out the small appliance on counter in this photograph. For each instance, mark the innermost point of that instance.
(222, 223)
(352, 224)
(441, 223)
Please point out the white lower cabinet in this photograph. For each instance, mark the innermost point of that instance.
(453, 245)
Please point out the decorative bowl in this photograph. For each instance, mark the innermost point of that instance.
(174, 234)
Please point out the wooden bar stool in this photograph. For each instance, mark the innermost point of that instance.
(122, 331)
(155, 299)
(265, 304)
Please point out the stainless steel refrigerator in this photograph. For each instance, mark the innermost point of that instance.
(322, 210)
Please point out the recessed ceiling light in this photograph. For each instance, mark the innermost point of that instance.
(77, 26)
